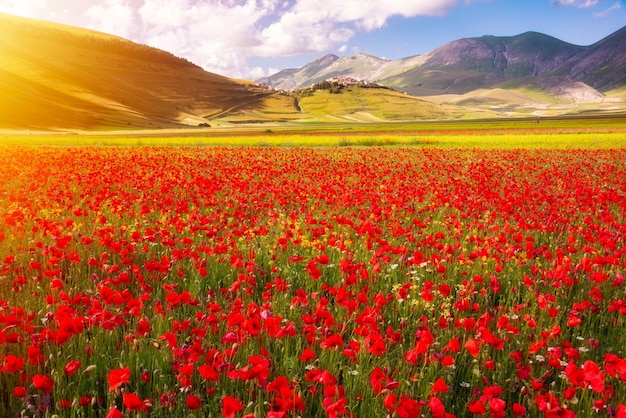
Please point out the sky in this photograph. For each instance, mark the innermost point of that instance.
(255, 38)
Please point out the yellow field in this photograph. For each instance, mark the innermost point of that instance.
(584, 140)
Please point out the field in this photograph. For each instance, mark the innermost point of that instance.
(558, 133)
(451, 273)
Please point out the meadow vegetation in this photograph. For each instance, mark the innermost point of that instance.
(559, 133)
(430, 270)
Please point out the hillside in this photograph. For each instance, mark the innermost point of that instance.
(474, 63)
(601, 65)
(364, 104)
(61, 77)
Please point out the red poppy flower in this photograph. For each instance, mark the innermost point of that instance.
(208, 372)
(143, 327)
(193, 402)
(497, 406)
(145, 376)
(390, 402)
(43, 382)
(19, 391)
(133, 402)
(477, 408)
(518, 410)
(594, 376)
(453, 345)
(472, 347)
(447, 361)
(71, 367)
(334, 407)
(230, 406)
(114, 413)
(439, 386)
(615, 366)
(118, 377)
(436, 407)
(332, 342)
(12, 364)
(408, 408)
(280, 386)
(307, 355)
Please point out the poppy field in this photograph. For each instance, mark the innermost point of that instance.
(331, 282)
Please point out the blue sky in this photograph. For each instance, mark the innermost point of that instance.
(253, 38)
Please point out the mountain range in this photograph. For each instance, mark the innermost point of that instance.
(530, 61)
(56, 77)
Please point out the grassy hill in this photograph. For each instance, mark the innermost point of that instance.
(359, 104)
(61, 77)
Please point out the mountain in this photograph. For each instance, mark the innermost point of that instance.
(531, 61)
(296, 78)
(55, 76)
(601, 65)
(359, 66)
(469, 64)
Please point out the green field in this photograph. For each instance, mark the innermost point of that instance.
(562, 133)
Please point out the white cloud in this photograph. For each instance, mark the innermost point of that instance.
(608, 10)
(217, 35)
(221, 35)
(164, 13)
(298, 32)
(259, 72)
(21, 7)
(318, 25)
(111, 16)
(582, 4)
